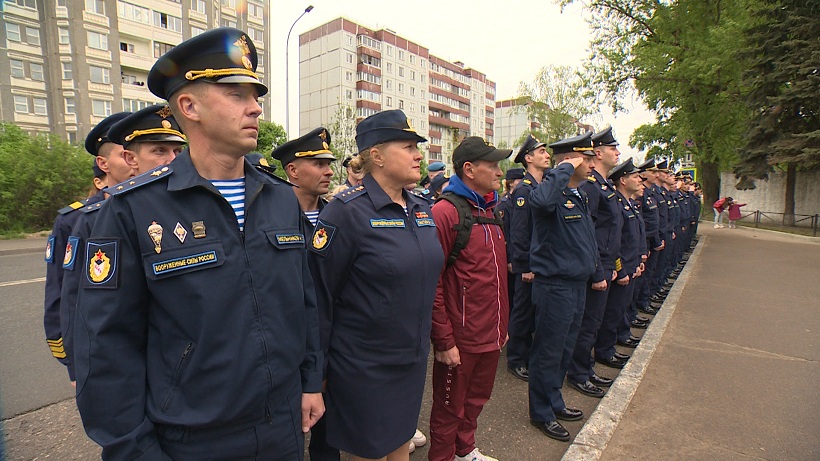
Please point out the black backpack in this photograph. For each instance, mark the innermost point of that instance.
(466, 221)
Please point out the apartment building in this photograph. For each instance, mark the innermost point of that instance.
(512, 121)
(345, 63)
(74, 62)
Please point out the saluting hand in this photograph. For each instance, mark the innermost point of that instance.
(575, 161)
(450, 357)
(313, 407)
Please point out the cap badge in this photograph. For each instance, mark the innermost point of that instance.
(242, 44)
(180, 232)
(155, 231)
(323, 135)
(166, 124)
(198, 227)
(165, 112)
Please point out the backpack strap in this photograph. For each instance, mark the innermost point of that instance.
(466, 221)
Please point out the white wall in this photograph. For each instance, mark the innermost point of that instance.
(770, 195)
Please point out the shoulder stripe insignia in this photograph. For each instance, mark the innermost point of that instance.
(141, 180)
(351, 193)
(73, 206)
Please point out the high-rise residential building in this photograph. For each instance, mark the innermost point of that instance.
(513, 121)
(74, 62)
(342, 63)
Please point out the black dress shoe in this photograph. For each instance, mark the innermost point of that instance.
(648, 310)
(522, 373)
(657, 298)
(643, 319)
(570, 414)
(552, 429)
(655, 305)
(620, 356)
(641, 325)
(611, 362)
(600, 380)
(629, 342)
(586, 388)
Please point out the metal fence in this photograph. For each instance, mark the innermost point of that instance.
(772, 219)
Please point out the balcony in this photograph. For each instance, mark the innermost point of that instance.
(99, 54)
(362, 67)
(135, 61)
(368, 104)
(435, 150)
(197, 16)
(95, 18)
(367, 86)
(132, 91)
(105, 88)
(28, 84)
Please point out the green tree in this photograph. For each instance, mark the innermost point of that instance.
(271, 135)
(343, 139)
(783, 82)
(38, 176)
(558, 102)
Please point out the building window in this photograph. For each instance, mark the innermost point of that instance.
(401, 104)
(133, 105)
(422, 63)
(401, 71)
(389, 68)
(198, 6)
(389, 84)
(423, 109)
(196, 31)
(100, 74)
(98, 41)
(412, 91)
(229, 3)
(413, 75)
(349, 76)
(350, 40)
(133, 12)
(166, 21)
(17, 69)
(389, 50)
(127, 47)
(257, 36)
(69, 106)
(64, 36)
(25, 3)
(401, 87)
(388, 101)
(36, 71)
(95, 6)
(349, 58)
(412, 59)
(260, 60)
(412, 107)
(255, 10)
(100, 108)
(161, 48)
(20, 104)
(13, 32)
(228, 23)
(401, 55)
(40, 106)
(33, 36)
(423, 78)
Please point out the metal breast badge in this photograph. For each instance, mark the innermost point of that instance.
(155, 231)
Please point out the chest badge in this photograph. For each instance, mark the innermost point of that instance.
(198, 227)
(569, 205)
(155, 232)
(180, 232)
(320, 239)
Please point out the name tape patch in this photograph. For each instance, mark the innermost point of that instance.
(184, 262)
(290, 239)
(394, 223)
(425, 222)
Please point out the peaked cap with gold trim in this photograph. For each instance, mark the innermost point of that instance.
(581, 143)
(529, 145)
(223, 55)
(154, 123)
(388, 125)
(315, 144)
(99, 134)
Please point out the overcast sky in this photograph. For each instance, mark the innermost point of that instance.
(508, 40)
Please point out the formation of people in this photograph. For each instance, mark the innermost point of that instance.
(207, 309)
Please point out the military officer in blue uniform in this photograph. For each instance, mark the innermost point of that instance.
(512, 178)
(377, 255)
(149, 137)
(306, 161)
(197, 331)
(97, 144)
(608, 220)
(664, 229)
(534, 156)
(564, 257)
(627, 182)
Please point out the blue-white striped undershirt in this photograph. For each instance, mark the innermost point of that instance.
(575, 191)
(313, 216)
(234, 192)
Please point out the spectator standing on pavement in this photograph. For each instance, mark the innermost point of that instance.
(564, 256)
(197, 335)
(471, 310)
(734, 213)
(719, 207)
(376, 253)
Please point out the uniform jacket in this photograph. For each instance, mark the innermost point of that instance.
(651, 217)
(563, 241)
(643, 248)
(630, 238)
(200, 326)
(606, 216)
(685, 209)
(55, 252)
(378, 269)
(520, 225)
(471, 309)
(664, 213)
(504, 209)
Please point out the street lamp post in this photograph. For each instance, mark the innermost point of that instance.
(287, 73)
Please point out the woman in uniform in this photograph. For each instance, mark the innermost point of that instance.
(377, 261)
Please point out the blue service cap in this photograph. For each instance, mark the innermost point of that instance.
(389, 125)
(223, 55)
(436, 166)
(625, 168)
(154, 123)
(581, 143)
(604, 137)
(514, 173)
(530, 144)
(99, 134)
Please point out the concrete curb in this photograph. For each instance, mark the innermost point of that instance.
(590, 443)
(23, 246)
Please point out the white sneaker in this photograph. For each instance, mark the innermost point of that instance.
(412, 447)
(475, 455)
(418, 439)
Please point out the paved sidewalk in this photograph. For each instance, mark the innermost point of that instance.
(735, 374)
(20, 246)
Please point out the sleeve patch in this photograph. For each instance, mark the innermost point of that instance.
(322, 237)
(520, 201)
(102, 264)
(70, 252)
(50, 249)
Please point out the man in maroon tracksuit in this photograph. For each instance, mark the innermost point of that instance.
(471, 309)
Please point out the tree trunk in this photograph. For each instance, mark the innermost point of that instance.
(791, 180)
(710, 181)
